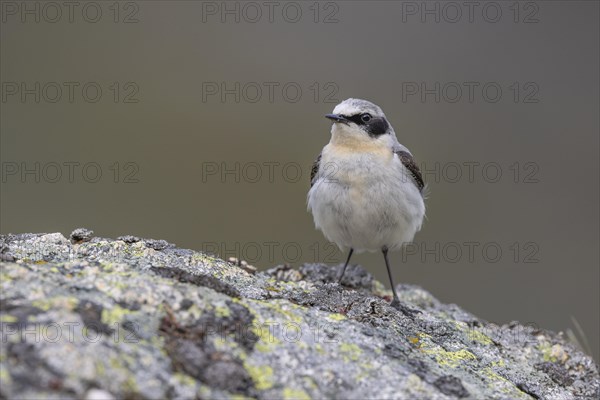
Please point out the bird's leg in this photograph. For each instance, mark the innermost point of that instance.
(396, 301)
(345, 265)
(411, 312)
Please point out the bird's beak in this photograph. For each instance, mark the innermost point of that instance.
(337, 118)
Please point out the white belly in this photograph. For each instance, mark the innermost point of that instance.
(365, 202)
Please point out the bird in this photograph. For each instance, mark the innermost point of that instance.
(366, 189)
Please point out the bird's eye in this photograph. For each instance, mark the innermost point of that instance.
(365, 118)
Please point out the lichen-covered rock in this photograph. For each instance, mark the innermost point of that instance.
(135, 318)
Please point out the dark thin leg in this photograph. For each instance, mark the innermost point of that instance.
(410, 312)
(345, 265)
(396, 301)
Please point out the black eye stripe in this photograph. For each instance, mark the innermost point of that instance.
(375, 127)
(356, 119)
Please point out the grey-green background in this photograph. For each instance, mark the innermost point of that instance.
(373, 50)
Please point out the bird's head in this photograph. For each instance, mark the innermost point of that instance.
(360, 121)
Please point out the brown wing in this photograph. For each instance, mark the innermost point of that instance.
(314, 170)
(409, 162)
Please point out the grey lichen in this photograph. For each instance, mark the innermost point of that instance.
(139, 318)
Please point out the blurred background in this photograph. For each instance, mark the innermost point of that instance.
(198, 122)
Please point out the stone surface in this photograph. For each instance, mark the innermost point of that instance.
(137, 318)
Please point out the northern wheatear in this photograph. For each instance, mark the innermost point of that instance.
(366, 190)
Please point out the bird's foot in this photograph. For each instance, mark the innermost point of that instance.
(409, 312)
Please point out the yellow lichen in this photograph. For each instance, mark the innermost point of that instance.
(500, 363)
(319, 348)
(295, 394)
(558, 352)
(336, 317)
(473, 334)
(234, 397)
(4, 375)
(262, 328)
(184, 379)
(266, 337)
(503, 384)
(130, 385)
(100, 370)
(350, 352)
(283, 307)
(222, 312)
(262, 375)
(59, 302)
(226, 344)
(453, 358)
(476, 336)
(8, 318)
(114, 315)
(546, 349)
(443, 357)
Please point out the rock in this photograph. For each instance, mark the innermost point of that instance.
(139, 318)
(451, 386)
(97, 394)
(81, 235)
(251, 269)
